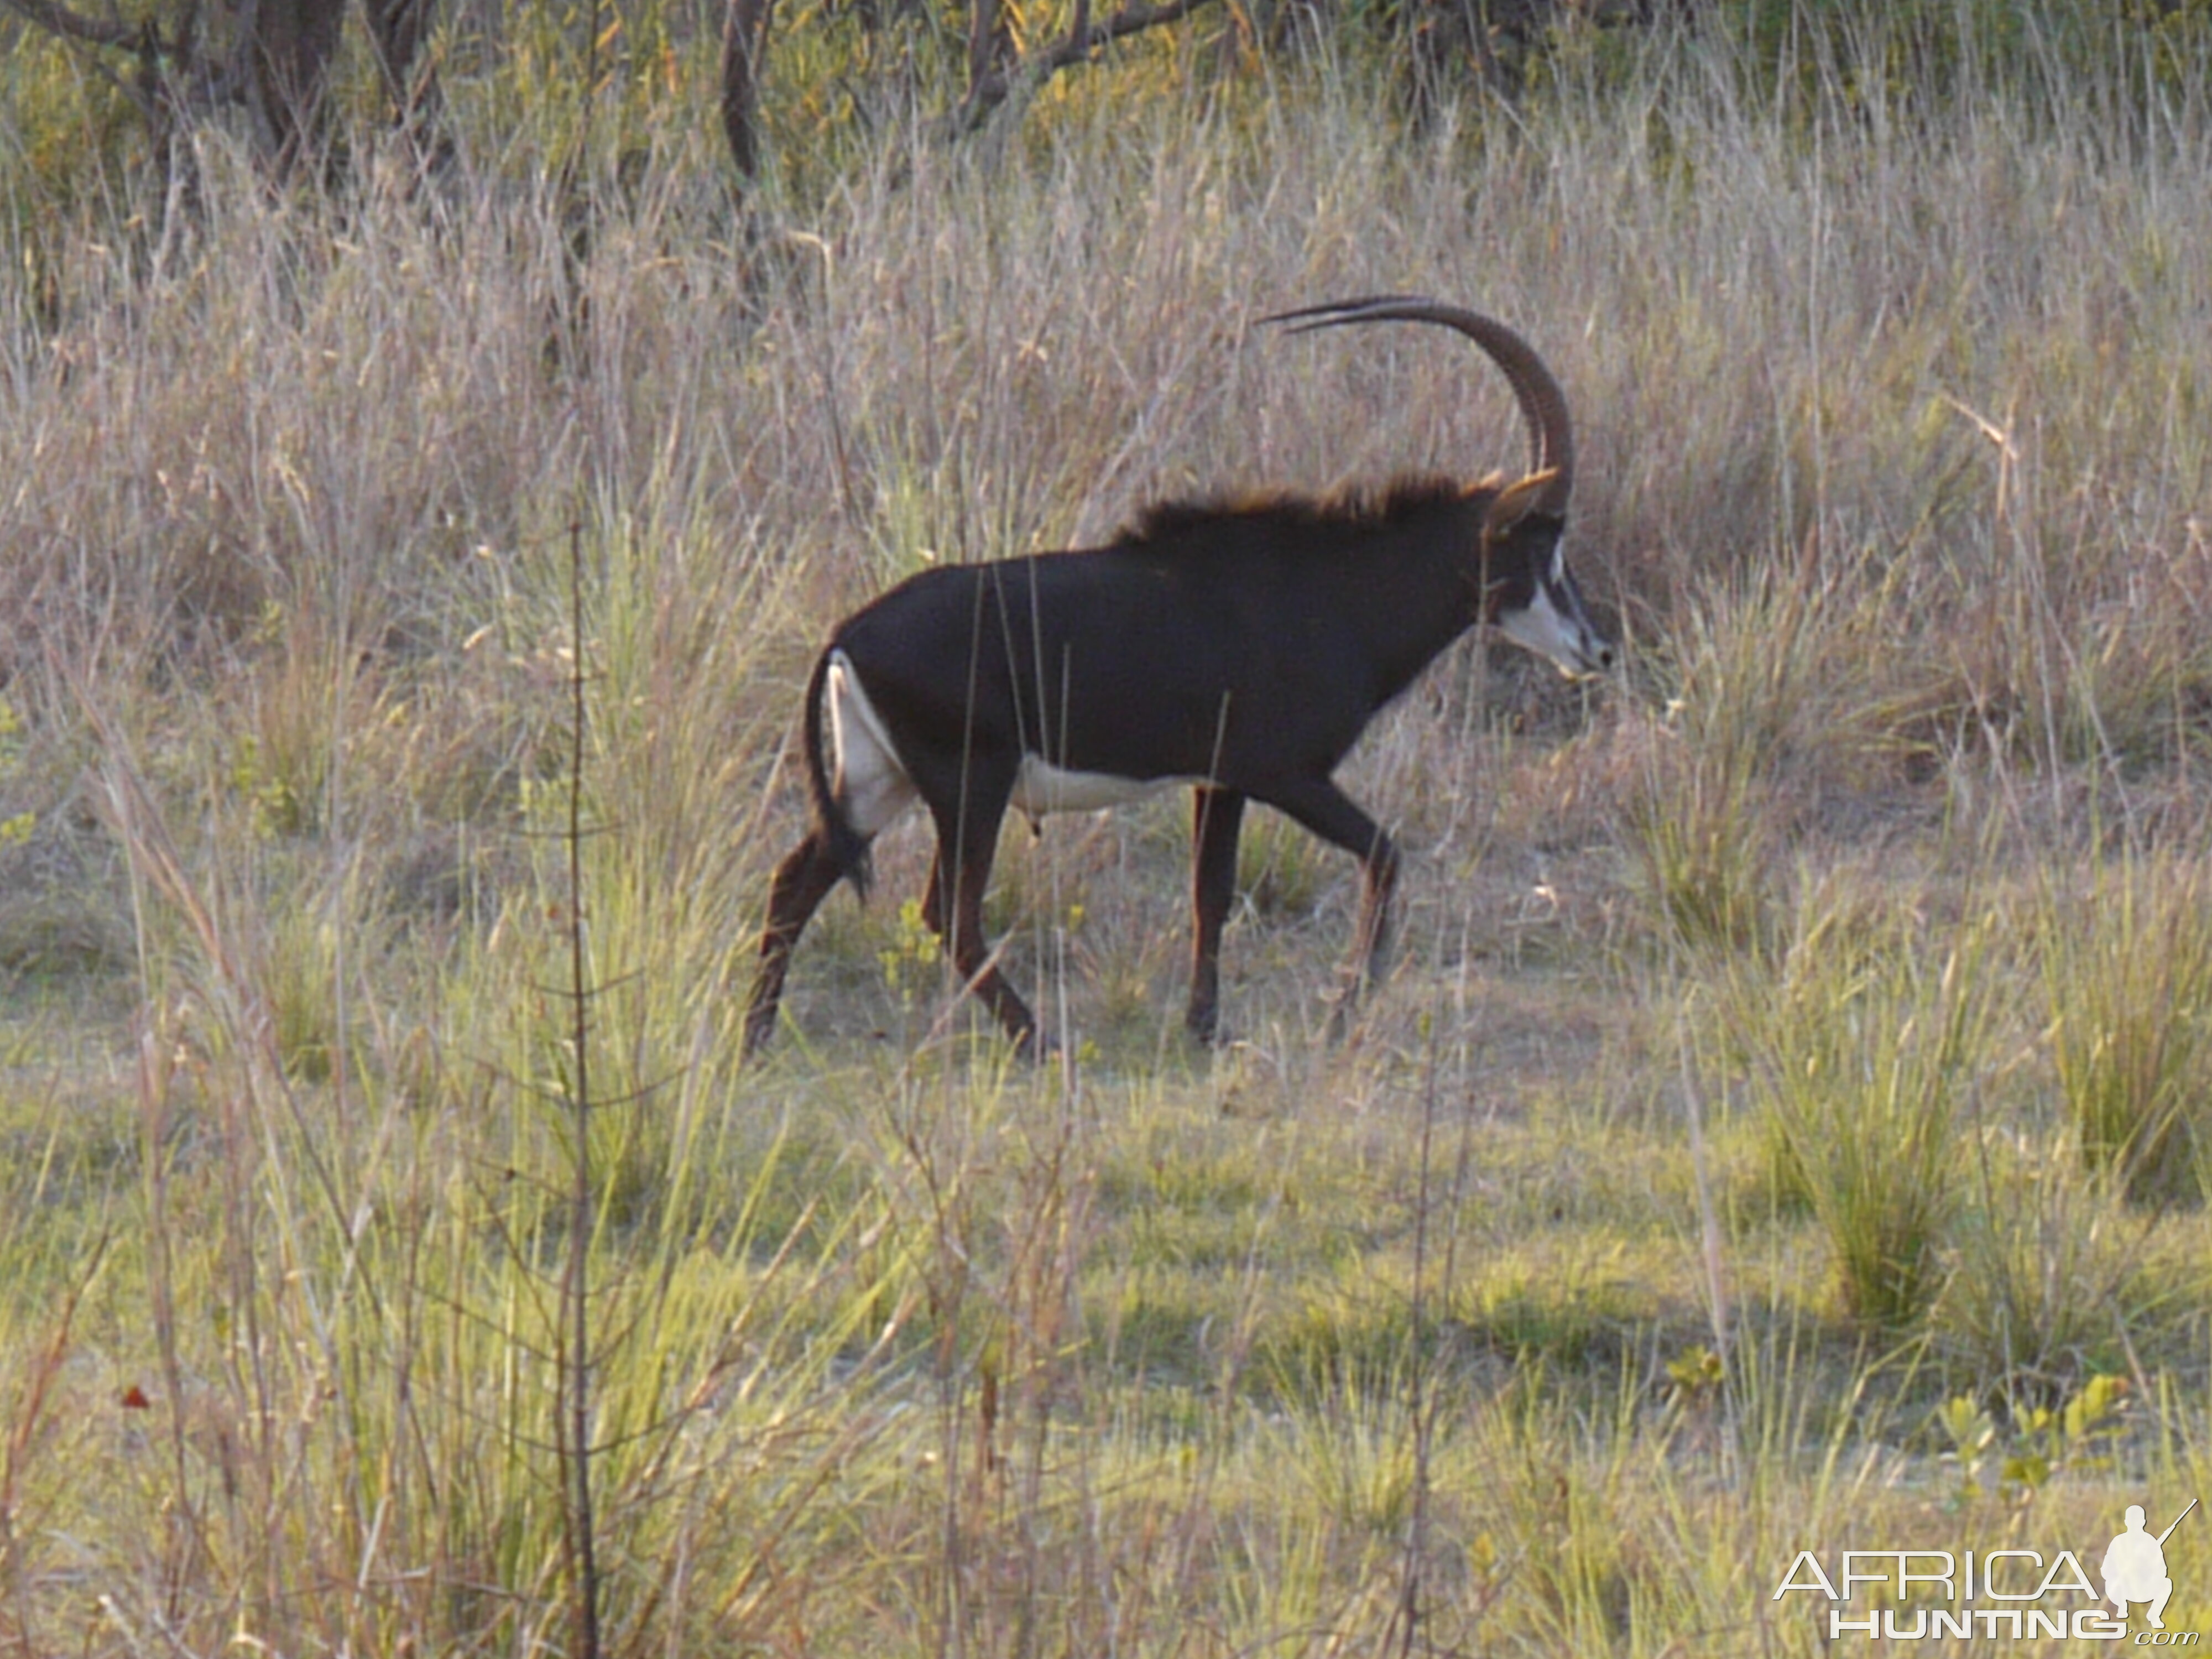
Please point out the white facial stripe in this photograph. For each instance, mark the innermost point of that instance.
(1544, 629)
(870, 782)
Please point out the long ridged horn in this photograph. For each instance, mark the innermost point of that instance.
(1543, 405)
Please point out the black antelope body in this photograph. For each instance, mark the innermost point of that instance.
(1237, 648)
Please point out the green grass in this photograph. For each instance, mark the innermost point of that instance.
(1884, 853)
(2127, 971)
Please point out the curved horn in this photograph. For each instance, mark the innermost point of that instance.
(1543, 405)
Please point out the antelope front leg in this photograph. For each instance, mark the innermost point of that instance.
(1333, 816)
(1370, 945)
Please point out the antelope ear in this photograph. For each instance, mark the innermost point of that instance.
(1515, 502)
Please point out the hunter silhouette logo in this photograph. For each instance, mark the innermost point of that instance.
(2135, 1566)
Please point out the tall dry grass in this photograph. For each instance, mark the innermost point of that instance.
(1893, 459)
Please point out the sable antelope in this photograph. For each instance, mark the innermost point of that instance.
(1240, 648)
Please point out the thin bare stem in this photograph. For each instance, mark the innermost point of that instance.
(576, 1281)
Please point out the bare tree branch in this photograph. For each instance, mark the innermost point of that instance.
(396, 28)
(995, 85)
(273, 56)
(60, 20)
(149, 92)
(990, 45)
(745, 44)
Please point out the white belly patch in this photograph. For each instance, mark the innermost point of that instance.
(872, 786)
(1040, 787)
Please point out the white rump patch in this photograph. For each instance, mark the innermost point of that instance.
(870, 783)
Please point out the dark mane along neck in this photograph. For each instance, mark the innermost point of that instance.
(1166, 524)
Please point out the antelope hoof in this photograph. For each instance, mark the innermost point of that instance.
(1038, 1048)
